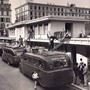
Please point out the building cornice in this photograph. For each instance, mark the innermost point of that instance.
(50, 18)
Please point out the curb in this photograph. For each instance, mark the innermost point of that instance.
(81, 88)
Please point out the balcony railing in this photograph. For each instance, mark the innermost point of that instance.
(78, 41)
(74, 41)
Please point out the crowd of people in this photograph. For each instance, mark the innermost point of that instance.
(80, 71)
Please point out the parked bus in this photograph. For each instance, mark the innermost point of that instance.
(4, 41)
(12, 54)
(54, 68)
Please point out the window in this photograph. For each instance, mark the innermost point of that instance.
(58, 9)
(42, 8)
(2, 25)
(7, 13)
(40, 64)
(46, 8)
(1, 12)
(31, 7)
(31, 18)
(11, 52)
(39, 8)
(35, 13)
(1, 1)
(39, 14)
(45, 29)
(39, 29)
(43, 14)
(50, 9)
(7, 19)
(61, 9)
(54, 9)
(35, 8)
(30, 13)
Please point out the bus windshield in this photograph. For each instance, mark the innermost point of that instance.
(59, 62)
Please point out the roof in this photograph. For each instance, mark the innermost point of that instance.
(48, 56)
(49, 18)
(13, 47)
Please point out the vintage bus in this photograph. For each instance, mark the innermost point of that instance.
(4, 41)
(12, 54)
(54, 68)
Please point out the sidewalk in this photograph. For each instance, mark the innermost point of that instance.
(80, 86)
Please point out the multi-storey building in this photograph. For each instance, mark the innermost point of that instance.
(31, 11)
(44, 18)
(5, 16)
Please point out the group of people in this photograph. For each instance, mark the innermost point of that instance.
(80, 71)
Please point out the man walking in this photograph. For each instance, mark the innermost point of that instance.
(20, 41)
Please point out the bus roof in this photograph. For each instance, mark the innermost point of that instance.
(49, 56)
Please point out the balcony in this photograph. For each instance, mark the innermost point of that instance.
(78, 41)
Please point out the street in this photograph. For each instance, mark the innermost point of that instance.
(12, 79)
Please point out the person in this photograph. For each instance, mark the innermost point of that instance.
(35, 77)
(51, 41)
(85, 74)
(31, 34)
(81, 66)
(81, 61)
(76, 72)
(20, 41)
(68, 34)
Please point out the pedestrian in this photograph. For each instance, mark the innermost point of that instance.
(85, 74)
(81, 66)
(81, 62)
(20, 41)
(76, 73)
(35, 77)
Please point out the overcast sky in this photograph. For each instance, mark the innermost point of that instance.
(16, 3)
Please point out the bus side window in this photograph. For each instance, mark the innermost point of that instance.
(7, 51)
(40, 64)
(30, 60)
(11, 52)
(35, 61)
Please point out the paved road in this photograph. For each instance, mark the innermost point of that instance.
(12, 79)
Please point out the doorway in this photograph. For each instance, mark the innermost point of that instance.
(69, 27)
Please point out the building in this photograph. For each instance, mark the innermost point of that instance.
(5, 16)
(47, 18)
(29, 11)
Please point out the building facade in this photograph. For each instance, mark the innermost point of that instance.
(5, 16)
(29, 11)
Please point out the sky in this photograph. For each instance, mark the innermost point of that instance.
(79, 3)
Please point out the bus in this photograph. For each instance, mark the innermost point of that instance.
(4, 41)
(54, 68)
(12, 54)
